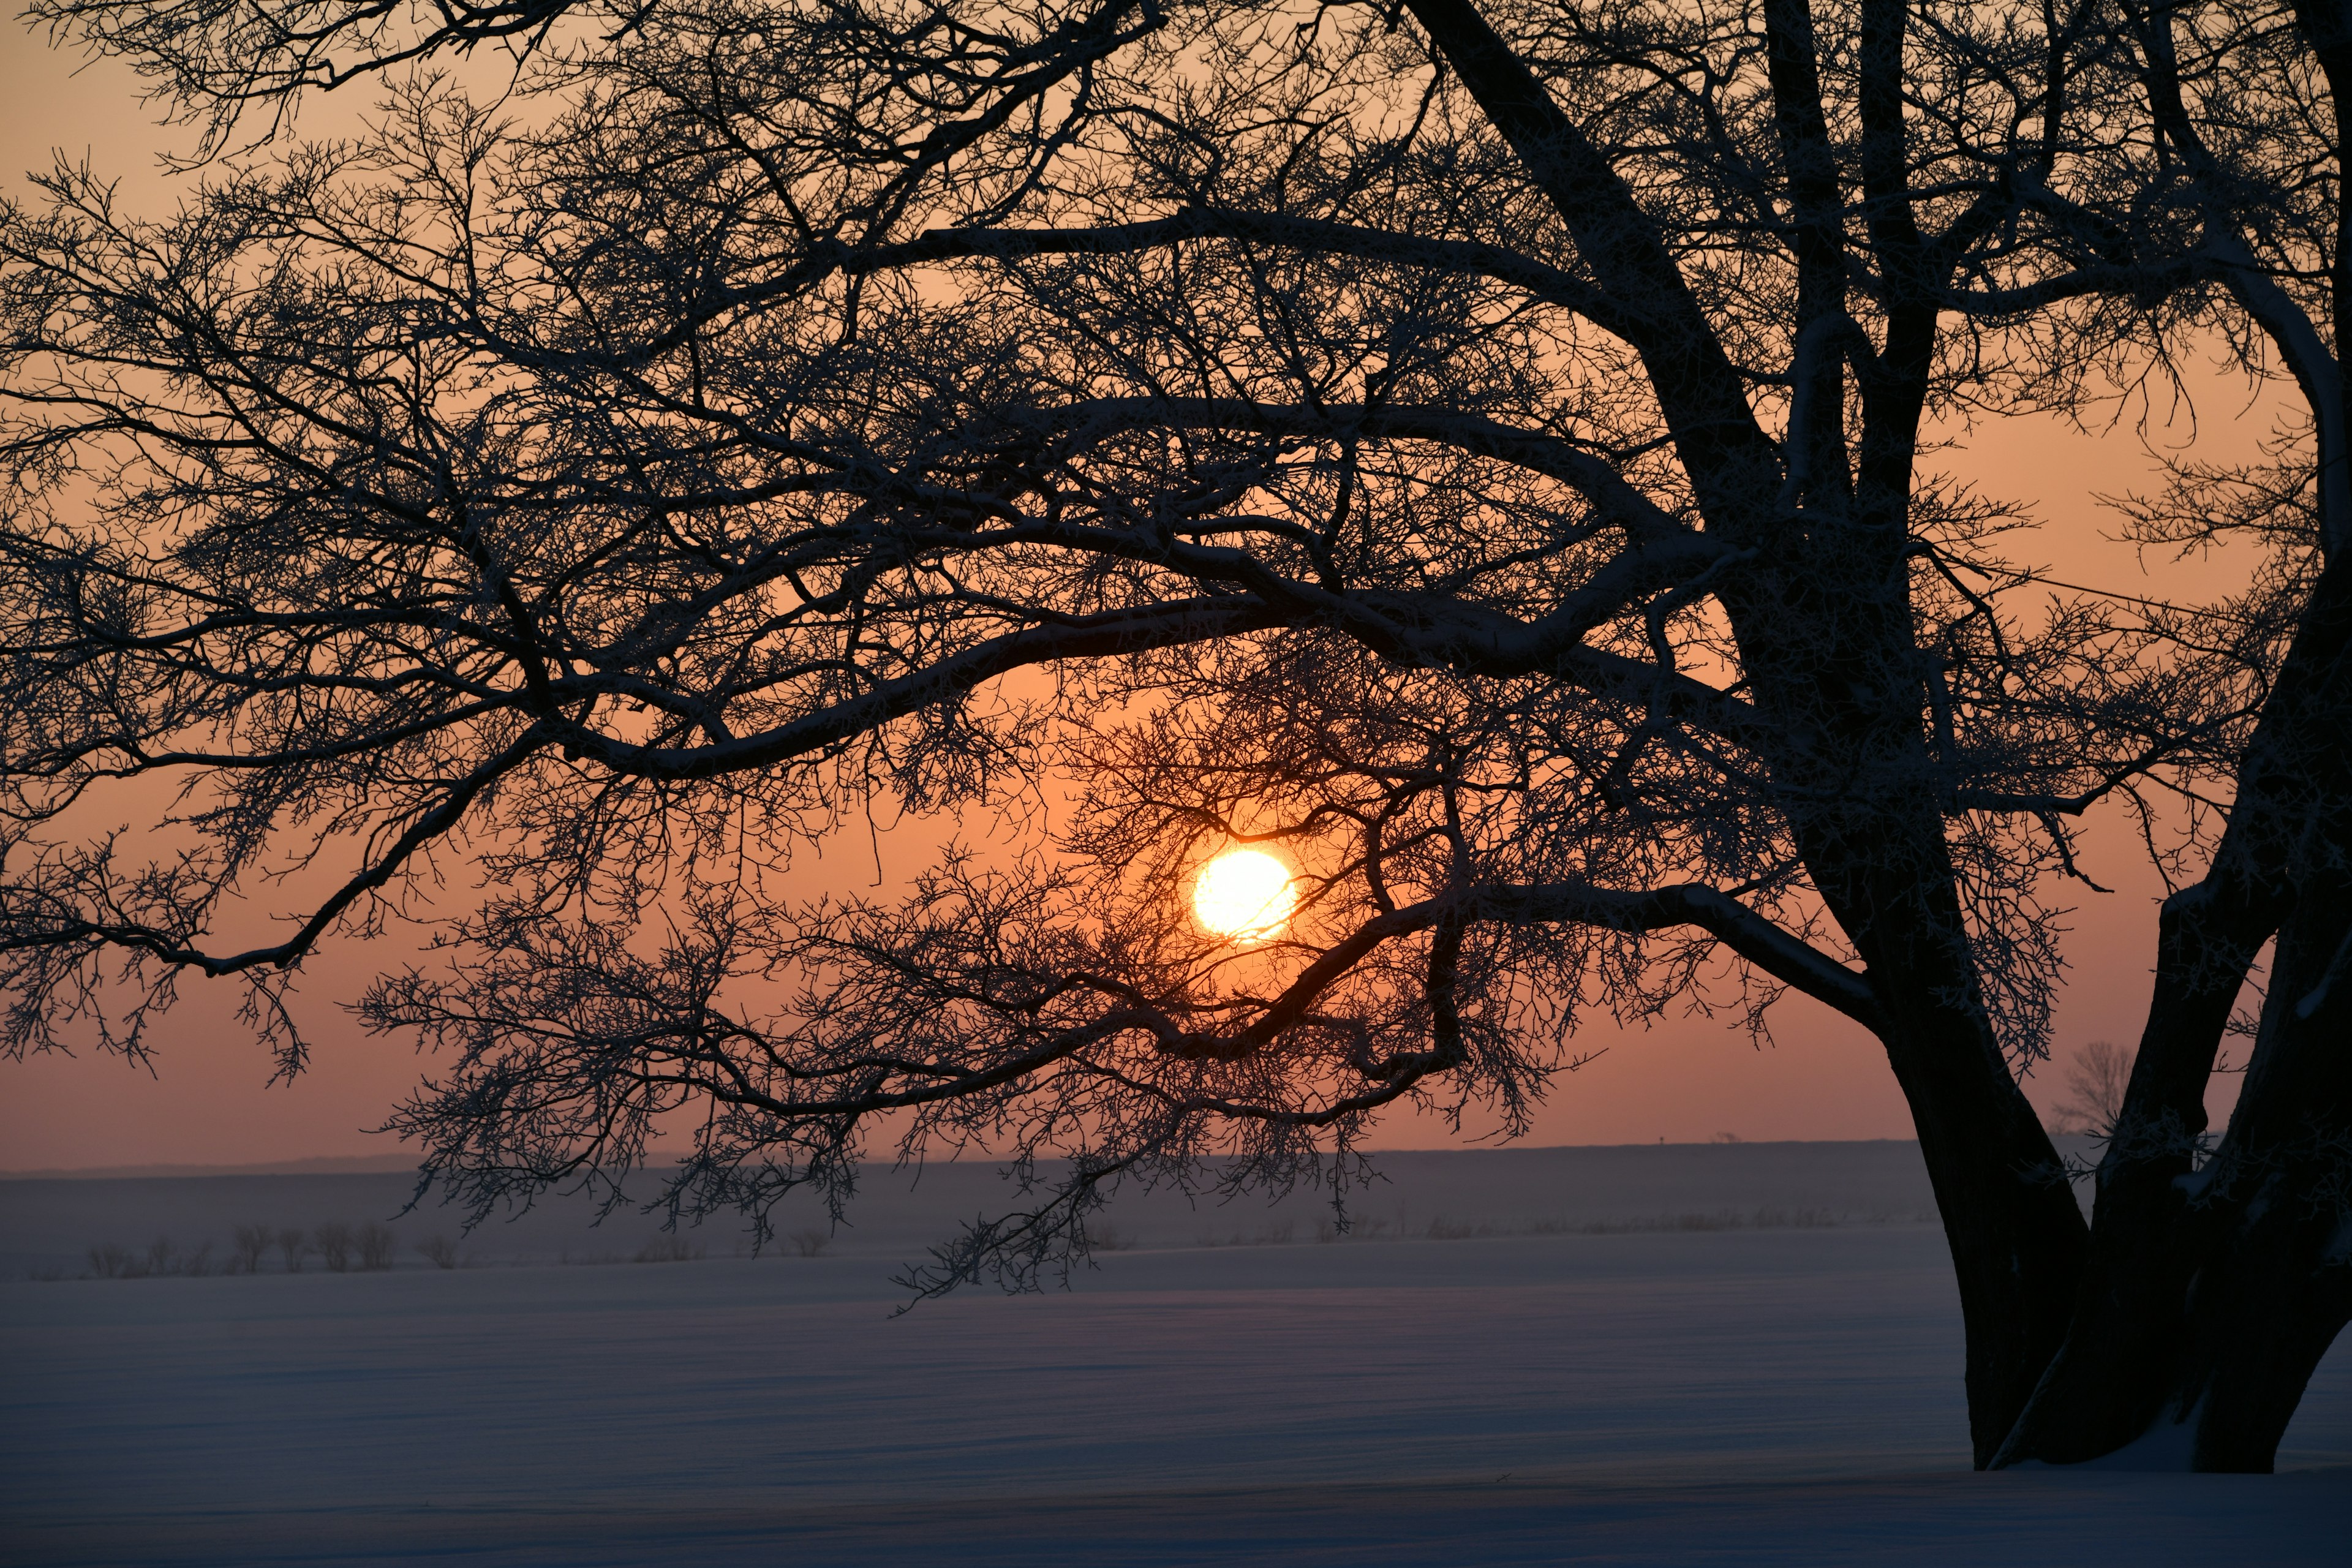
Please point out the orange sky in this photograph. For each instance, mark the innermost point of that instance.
(1685, 1079)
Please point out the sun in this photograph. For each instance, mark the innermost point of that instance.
(1245, 896)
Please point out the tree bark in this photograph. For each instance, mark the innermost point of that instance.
(2274, 1281)
(2211, 1300)
(2017, 1238)
(2210, 1294)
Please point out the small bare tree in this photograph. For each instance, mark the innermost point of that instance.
(333, 1240)
(293, 1247)
(248, 1243)
(2097, 1079)
(375, 1244)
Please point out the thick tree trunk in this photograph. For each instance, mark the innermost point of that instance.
(2275, 1286)
(2211, 1294)
(2209, 1305)
(2100, 1392)
(2017, 1237)
(2274, 1281)
(2276, 1290)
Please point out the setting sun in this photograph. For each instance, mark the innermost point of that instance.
(1245, 896)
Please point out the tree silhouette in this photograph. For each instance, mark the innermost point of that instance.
(1474, 452)
(2098, 1079)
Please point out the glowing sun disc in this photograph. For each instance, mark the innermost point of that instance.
(1245, 896)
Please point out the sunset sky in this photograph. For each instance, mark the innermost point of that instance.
(1685, 1079)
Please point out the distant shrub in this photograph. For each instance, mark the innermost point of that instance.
(334, 1243)
(248, 1244)
(293, 1246)
(571, 1260)
(1109, 1238)
(375, 1243)
(161, 1258)
(809, 1242)
(439, 1251)
(1443, 1229)
(1274, 1233)
(1765, 1218)
(668, 1249)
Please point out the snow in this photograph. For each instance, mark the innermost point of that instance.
(1752, 1395)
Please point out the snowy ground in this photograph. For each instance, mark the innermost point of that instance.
(1671, 1395)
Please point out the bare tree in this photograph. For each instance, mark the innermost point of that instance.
(334, 1242)
(248, 1246)
(1477, 451)
(2098, 1078)
(376, 1244)
(293, 1247)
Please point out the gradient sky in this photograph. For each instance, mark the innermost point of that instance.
(1685, 1079)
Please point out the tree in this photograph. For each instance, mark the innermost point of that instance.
(334, 1242)
(1475, 451)
(294, 1247)
(2098, 1079)
(249, 1245)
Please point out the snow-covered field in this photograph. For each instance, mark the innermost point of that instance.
(1573, 1388)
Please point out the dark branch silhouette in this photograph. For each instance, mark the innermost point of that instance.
(1476, 450)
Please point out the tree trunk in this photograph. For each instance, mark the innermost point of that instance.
(2017, 1239)
(2204, 1317)
(2211, 1293)
(2016, 1236)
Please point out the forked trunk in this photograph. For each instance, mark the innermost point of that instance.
(2212, 1293)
